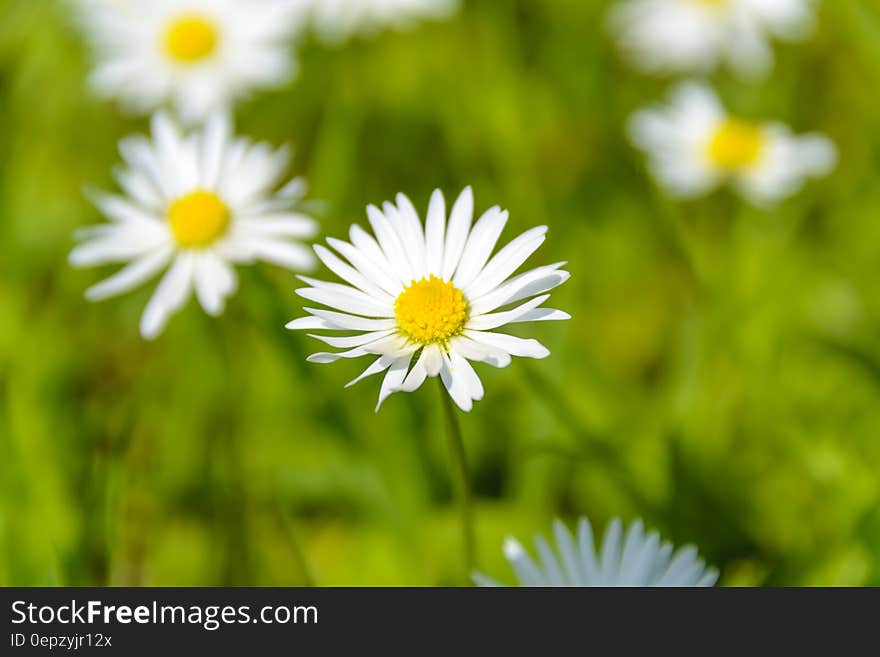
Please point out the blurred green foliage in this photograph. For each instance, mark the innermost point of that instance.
(720, 377)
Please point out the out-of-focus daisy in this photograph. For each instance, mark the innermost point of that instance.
(425, 300)
(194, 204)
(635, 558)
(198, 55)
(337, 20)
(674, 36)
(693, 146)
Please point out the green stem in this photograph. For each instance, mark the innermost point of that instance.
(456, 449)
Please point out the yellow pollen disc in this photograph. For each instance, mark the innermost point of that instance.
(736, 144)
(198, 219)
(712, 3)
(191, 38)
(431, 310)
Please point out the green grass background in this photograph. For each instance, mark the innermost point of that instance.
(720, 376)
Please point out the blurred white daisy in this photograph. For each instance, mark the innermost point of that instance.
(675, 36)
(194, 203)
(337, 20)
(632, 559)
(693, 145)
(425, 300)
(197, 55)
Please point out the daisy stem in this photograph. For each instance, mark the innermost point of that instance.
(457, 452)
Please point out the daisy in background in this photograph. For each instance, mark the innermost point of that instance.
(635, 558)
(194, 204)
(693, 146)
(425, 300)
(695, 36)
(197, 55)
(337, 20)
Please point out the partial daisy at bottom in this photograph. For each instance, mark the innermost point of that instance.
(694, 145)
(632, 557)
(194, 204)
(424, 300)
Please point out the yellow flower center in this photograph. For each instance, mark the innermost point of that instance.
(198, 219)
(431, 310)
(191, 38)
(736, 144)
(712, 4)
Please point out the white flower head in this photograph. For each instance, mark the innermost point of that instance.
(337, 20)
(196, 55)
(195, 203)
(634, 558)
(695, 36)
(693, 146)
(425, 300)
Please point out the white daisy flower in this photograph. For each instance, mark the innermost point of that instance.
(198, 55)
(194, 203)
(631, 559)
(337, 20)
(426, 300)
(693, 146)
(675, 36)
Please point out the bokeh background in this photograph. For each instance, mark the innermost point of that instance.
(720, 376)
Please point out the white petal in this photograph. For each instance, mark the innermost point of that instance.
(172, 292)
(479, 352)
(432, 359)
(352, 340)
(457, 232)
(507, 261)
(214, 282)
(463, 370)
(683, 562)
(479, 246)
(589, 565)
(526, 571)
(609, 559)
(309, 323)
(408, 241)
(140, 188)
(111, 244)
(137, 151)
(331, 357)
(368, 245)
(568, 552)
(527, 348)
(345, 298)
(527, 284)
(140, 270)
(122, 210)
(381, 364)
(435, 228)
(494, 320)
(416, 376)
(549, 564)
(345, 322)
(213, 144)
(392, 248)
(542, 315)
(415, 236)
(457, 384)
(370, 268)
(395, 376)
(350, 275)
(280, 224)
(285, 254)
